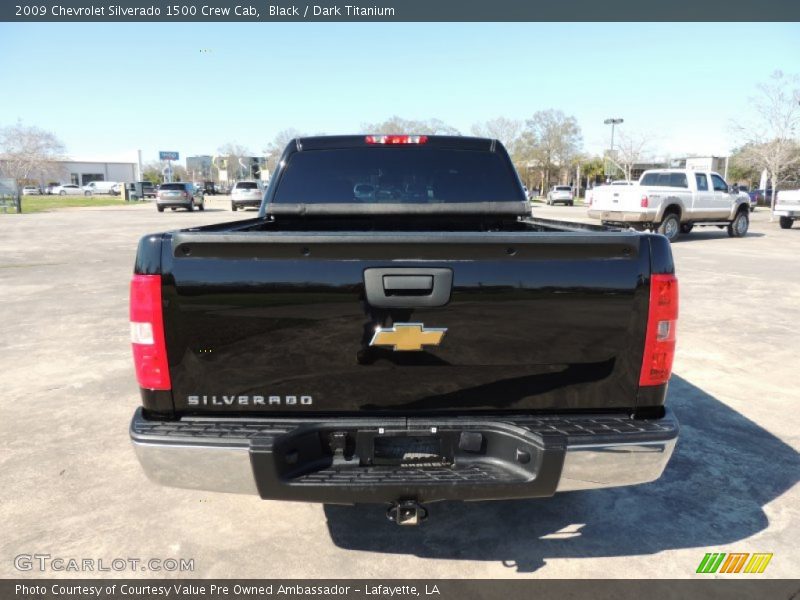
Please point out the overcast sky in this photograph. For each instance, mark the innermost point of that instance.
(105, 89)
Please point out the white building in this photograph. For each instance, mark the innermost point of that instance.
(84, 170)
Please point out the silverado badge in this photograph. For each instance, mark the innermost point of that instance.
(407, 336)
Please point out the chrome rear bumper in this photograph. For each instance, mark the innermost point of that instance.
(516, 457)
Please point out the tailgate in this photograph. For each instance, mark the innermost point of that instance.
(617, 198)
(284, 323)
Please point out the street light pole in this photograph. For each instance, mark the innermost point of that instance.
(613, 122)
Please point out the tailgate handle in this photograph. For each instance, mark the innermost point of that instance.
(408, 287)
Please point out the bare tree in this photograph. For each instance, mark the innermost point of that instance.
(771, 139)
(632, 148)
(397, 124)
(508, 131)
(229, 156)
(275, 148)
(29, 153)
(551, 140)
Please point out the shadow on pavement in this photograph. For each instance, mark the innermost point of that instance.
(725, 469)
(710, 233)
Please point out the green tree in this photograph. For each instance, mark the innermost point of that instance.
(551, 140)
(771, 139)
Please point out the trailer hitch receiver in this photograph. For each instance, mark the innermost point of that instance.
(407, 512)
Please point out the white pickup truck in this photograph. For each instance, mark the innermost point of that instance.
(673, 201)
(787, 207)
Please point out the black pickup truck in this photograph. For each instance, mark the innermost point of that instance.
(395, 327)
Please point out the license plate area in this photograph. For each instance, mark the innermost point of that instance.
(410, 450)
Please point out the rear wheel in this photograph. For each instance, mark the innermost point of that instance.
(160, 208)
(571, 203)
(687, 227)
(234, 207)
(786, 222)
(191, 205)
(741, 222)
(670, 226)
(87, 193)
(62, 193)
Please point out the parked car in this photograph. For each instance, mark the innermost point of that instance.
(210, 188)
(787, 207)
(761, 196)
(49, 187)
(148, 189)
(99, 187)
(31, 190)
(560, 193)
(246, 193)
(181, 194)
(67, 189)
(673, 201)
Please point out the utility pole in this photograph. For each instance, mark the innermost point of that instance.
(613, 122)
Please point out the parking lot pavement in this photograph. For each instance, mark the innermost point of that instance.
(70, 485)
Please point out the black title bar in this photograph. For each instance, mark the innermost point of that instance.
(397, 10)
(397, 589)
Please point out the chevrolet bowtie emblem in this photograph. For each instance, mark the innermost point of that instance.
(407, 336)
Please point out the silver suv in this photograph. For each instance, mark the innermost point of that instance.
(179, 195)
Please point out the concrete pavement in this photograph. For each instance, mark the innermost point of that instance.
(70, 485)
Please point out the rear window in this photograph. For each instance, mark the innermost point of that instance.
(413, 175)
(677, 180)
(173, 186)
(563, 188)
(246, 185)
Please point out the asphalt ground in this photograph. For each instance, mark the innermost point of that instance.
(70, 485)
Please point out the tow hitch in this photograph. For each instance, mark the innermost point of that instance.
(407, 512)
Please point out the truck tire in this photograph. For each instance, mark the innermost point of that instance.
(786, 222)
(160, 208)
(687, 227)
(741, 222)
(670, 226)
(234, 207)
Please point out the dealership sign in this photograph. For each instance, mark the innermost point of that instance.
(164, 155)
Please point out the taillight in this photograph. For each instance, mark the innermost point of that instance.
(147, 333)
(645, 202)
(396, 139)
(659, 343)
